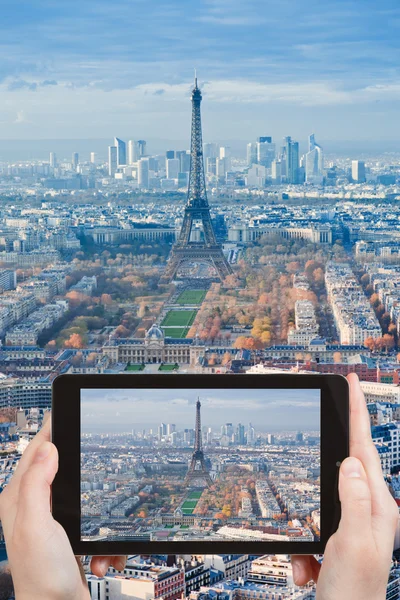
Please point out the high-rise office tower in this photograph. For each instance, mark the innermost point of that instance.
(184, 160)
(265, 153)
(225, 153)
(143, 173)
(112, 160)
(240, 437)
(314, 161)
(132, 154)
(75, 160)
(53, 160)
(171, 427)
(173, 166)
(210, 150)
(264, 138)
(121, 151)
(358, 171)
(141, 148)
(251, 154)
(93, 157)
(292, 160)
(251, 435)
(211, 166)
(170, 154)
(220, 167)
(276, 171)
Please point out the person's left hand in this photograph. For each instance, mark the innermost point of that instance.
(41, 560)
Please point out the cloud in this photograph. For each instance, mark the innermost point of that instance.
(21, 84)
(21, 118)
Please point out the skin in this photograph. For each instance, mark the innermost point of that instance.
(41, 560)
(358, 556)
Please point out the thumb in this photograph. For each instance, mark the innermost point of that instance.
(355, 499)
(34, 491)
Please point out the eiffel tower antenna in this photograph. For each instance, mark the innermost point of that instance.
(198, 472)
(197, 209)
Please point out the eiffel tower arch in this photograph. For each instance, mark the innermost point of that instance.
(197, 209)
(198, 474)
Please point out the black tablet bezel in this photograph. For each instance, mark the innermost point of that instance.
(66, 433)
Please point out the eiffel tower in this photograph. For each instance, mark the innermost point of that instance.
(197, 471)
(197, 209)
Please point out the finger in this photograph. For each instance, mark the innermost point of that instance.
(99, 565)
(26, 460)
(118, 562)
(305, 569)
(363, 448)
(355, 499)
(33, 511)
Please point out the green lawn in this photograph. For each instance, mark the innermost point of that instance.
(189, 504)
(179, 318)
(191, 297)
(168, 367)
(134, 368)
(187, 511)
(175, 332)
(194, 495)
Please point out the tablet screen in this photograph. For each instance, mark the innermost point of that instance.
(212, 464)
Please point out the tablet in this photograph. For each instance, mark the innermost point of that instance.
(199, 464)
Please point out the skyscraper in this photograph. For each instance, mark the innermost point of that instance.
(141, 148)
(173, 166)
(292, 160)
(265, 152)
(225, 153)
(75, 160)
(143, 173)
(121, 151)
(358, 171)
(132, 156)
(93, 157)
(251, 154)
(314, 161)
(210, 150)
(112, 160)
(184, 159)
(53, 160)
(170, 154)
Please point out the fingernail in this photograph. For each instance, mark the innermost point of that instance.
(351, 467)
(43, 451)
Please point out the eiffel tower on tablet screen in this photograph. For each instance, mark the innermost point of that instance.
(197, 209)
(198, 474)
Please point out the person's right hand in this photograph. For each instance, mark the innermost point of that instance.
(358, 556)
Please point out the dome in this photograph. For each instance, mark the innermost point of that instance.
(154, 333)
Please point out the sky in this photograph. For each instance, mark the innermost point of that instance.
(96, 69)
(110, 411)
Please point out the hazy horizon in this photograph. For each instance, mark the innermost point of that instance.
(268, 410)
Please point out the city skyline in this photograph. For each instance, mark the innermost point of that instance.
(114, 408)
(71, 77)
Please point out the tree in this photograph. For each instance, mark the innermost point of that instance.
(74, 341)
(106, 299)
(240, 342)
(121, 332)
(337, 357)
(387, 342)
(369, 343)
